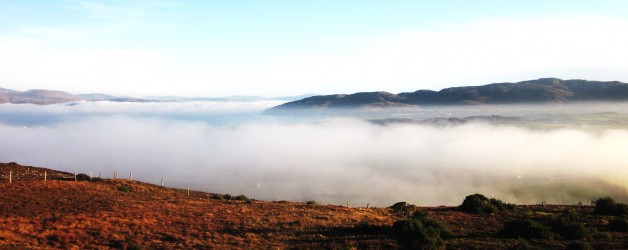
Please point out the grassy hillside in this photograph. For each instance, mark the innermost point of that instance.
(100, 214)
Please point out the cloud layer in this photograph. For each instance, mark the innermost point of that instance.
(333, 160)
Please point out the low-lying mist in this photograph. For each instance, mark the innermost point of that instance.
(330, 160)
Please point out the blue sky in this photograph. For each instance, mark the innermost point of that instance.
(273, 48)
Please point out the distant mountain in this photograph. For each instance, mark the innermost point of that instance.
(43, 97)
(544, 90)
(36, 96)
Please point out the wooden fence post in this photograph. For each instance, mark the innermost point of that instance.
(10, 176)
(130, 176)
(162, 182)
(45, 176)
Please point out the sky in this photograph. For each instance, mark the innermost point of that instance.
(282, 48)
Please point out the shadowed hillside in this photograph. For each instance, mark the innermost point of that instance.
(544, 90)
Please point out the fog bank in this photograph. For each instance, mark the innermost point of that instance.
(333, 160)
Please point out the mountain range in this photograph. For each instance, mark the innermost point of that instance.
(44, 97)
(543, 90)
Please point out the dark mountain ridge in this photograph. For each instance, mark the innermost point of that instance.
(544, 90)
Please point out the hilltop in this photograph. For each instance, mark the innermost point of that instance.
(65, 212)
(544, 90)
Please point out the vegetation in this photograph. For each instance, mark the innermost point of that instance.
(124, 188)
(527, 229)
(477, 204)
(619, 224)
(83, 177)
(608, 206)
(569, 225)
(366, 227)
(420, 231)
(578, 245)
(242, 198)
(403, 209)
(153, 217)
(311, 202)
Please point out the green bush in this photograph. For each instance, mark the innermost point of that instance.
(608, 206)
(403, 209)
(621, 209)
(526, 228)
(569, 226)
(82, 177)
(604, 205)
(619, 224)
(478, 204)
(522, 244)
(124, 188)
(311, 202)
(365, 227)
(578, 246)
(420, 231)
(241, 198)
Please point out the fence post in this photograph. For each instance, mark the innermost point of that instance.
(10, 176)
(188, 191)
(45, 176)
(75, 176)
(162, 182)
(130, 176)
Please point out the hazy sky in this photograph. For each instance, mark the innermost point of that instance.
(271, 48)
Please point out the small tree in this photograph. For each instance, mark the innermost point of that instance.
(605, 205)
(478, 204)
(420, 232)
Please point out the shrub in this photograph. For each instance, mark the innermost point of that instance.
(525, 228)
(569, 226)
(578, 246)
(242, 198)
(82, 177)
(311, 202)
(621, 209)
(522, 244)
(124, 188)
(365, 227)
(619, 224)
(403, 209)
(608, 206)
(478, 204)
(605, 205)
(227, 197)
(420, 231)
(502, 205)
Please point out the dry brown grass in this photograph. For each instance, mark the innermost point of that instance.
(67, 214)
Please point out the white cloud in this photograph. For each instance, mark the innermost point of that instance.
(332, 160)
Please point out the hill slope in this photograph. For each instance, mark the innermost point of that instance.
(36, 96)
(544, 90)
(124, 214)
